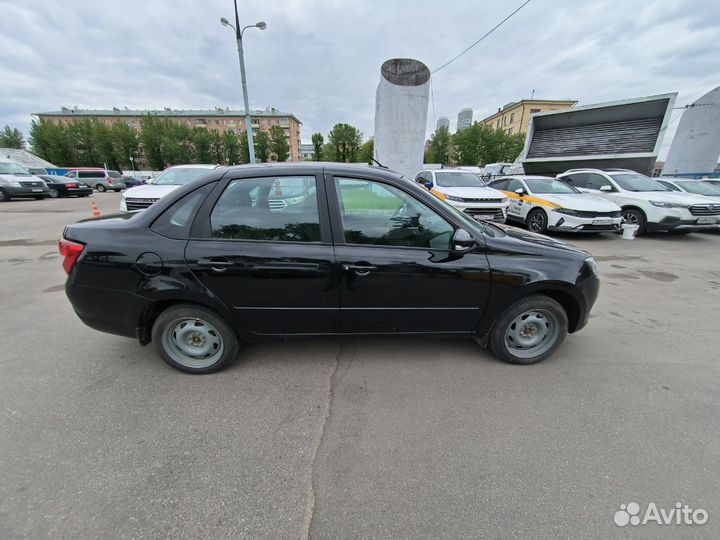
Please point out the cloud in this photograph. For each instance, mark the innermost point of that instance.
(320, 60)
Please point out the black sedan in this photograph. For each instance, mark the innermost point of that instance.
(62, 186)
(360, 251)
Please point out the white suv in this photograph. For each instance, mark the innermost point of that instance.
(466, 192)
(644, 201)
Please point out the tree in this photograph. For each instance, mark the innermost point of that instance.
(177, 142)
(317, 142)
(50, 142)
(262, 146)
(125, 144)
(366, 150)
(216, 148)
(467, 145)
(104, 145)
(11, 138)
(328, 152)
(346, 140)
(151, 136)
(201, 144)
(81, 135)
(279, 145)
(440, 145)
(480, 144)
(231, 148)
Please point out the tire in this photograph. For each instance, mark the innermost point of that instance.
(537, 221)
(636, 217)
(100, 188)
(217, 344)
(4, 197)
(54, 193)
(508, 339)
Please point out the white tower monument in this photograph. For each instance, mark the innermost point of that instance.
(696, 145)
(401, 105)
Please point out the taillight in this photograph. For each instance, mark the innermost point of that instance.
(109, 181)
(70, 251)
(72, 185)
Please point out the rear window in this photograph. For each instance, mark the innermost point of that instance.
(91, 174)
(114, 174)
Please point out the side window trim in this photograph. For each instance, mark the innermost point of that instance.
(336, 213)
(201, 227)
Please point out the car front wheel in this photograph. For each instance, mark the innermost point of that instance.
(634, 216)
(4, 196)
(537, 221)
(529, 330)
(194, 339)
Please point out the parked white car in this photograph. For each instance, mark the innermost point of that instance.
(466, 192)
(543, 203)
(645, 202)
(689, 185)
(140, 197)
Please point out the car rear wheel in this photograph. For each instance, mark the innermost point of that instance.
(4, 196)
(529, 330)
(194, 339)
(537, 221)
(633, 216)
(100, 188)
(54, 193)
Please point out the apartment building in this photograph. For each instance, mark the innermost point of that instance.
(219, 119)
(514, 117)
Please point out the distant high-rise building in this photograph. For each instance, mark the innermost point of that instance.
(443, 121)
(464, 119)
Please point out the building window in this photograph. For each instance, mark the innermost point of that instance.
(512, 117)
(497, 126)
(284, 121)
(510, 131)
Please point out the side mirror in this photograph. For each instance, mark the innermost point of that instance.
(462, 240)
(606, 188)
(520, 191)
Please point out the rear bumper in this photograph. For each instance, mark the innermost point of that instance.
(107, 310)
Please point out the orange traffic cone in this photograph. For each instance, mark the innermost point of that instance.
(95, 210)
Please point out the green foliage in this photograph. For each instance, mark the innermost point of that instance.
(216, 148)
(480, 144)
(279, 145)
(11, 138)
(346, 140)
(244, 148)
(317, 141)
(439, 150)
(125, 144)
(201, 144)
(102, 134)
(328, 152)
(366, 150)
(50, 142)
(151, 137)
(231, 148)
(262, 146)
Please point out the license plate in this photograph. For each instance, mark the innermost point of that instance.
(82, 185)
(706, 220)
(483, 216)
(602, 221)
(37, 190)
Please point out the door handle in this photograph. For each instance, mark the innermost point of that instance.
(359, 269)
(216, 265)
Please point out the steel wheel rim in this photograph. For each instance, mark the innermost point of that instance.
(537, 222)
(193, 342)
(532, 333)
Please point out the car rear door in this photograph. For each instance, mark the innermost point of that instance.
(269, 257)
(399, 273)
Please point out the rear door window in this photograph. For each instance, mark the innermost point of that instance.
(91, 174)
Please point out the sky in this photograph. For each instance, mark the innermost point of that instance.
(320, 59)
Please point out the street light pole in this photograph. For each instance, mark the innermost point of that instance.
(238, 37)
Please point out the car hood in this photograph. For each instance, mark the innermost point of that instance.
(14, 178)
(666, 196)
(531, 240)
(580, 201)
(149, 191)
(471, 192)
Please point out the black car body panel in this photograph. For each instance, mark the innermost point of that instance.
(67, 187)
(133, 266)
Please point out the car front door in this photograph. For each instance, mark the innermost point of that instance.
(263, 247)
(399, 271)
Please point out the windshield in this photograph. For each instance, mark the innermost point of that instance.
(549, 185)
(178, 176)
(458, 179)
(637, 182)
(13, 168)
(700, 188)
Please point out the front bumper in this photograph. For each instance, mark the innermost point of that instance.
(566, 223)
(671, 223)
(485, 212)
(25, 191)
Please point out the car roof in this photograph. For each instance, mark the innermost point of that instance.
(525, 177)
(208, 166)
(319, 166)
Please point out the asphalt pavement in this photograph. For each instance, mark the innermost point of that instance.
(353, 438)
